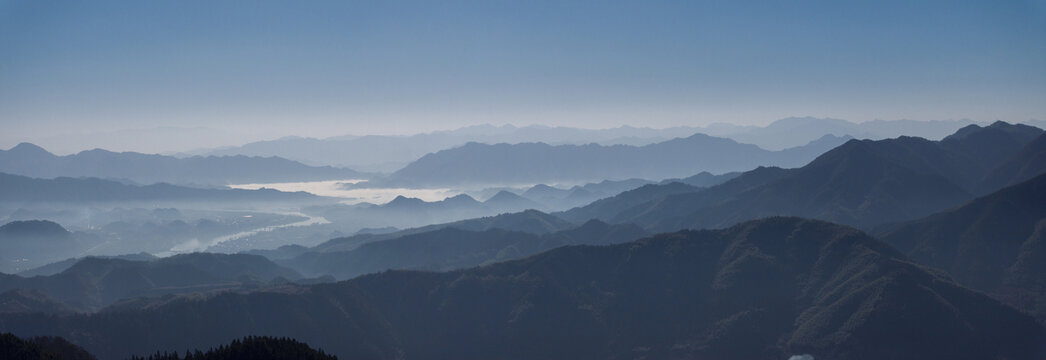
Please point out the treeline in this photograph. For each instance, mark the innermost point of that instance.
(40, 348)
(251, 347)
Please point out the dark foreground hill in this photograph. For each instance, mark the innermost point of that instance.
(764, 289)
(40, 348)
(996, 244)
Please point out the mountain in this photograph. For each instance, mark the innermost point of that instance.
(559, 198)
(24, 301)
(704, 179)
(405, 212)
(32, 161)
(31, 243)
(505, 201)
(985, 148)
(861, 183)
(251, 348)
(509, 164)
(59, 266)
(764, 289)
(527, 221)
(93, 283)
(796, 131)
(1027, 163)
(16, 188)
(995, 243)
(389, 153)
(628, 204)
(451, 248)
(421, 212)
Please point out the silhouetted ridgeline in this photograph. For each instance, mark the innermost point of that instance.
(31, 243)
(451, 248)
(250, 348)
(764, 289)
(862, 183)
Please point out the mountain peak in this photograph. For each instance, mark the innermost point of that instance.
(33, 228)
(503, 195)
(29, 148)
(401, 200)
(460, 199)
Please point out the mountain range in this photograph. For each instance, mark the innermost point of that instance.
(22, 189)
(33, 161)
(512, 164)
(796, 131)
(450, 248)
(389, 153)
(386, 153)
(765, 289)
(862, 183)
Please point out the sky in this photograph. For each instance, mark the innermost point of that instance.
(206, 72)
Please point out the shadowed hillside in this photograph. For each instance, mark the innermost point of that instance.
(761, 290)
(996, 244)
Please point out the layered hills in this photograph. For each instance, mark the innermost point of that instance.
(861, 183)
(764, 289)
(22, 189)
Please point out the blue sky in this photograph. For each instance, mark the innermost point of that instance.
(331, 67)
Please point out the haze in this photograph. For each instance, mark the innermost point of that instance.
(121, 74)
(428, 180)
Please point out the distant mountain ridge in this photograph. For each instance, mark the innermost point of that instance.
(17, 188)
(476, 163)
(796, 131)
(386, 153)
(33, 161)
(389, 153)
(765, 289)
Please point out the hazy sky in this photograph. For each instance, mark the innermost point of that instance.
(319, 68)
